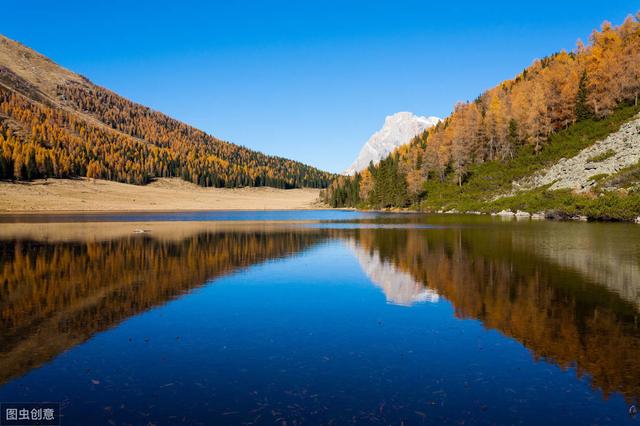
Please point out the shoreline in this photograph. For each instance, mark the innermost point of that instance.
(5, 213)
(82, 196)
(550, 215)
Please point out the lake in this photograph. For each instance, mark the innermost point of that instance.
(325, 317)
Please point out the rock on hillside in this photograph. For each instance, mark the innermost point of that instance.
(619, 150)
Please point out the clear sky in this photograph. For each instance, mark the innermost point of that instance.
(308, 80)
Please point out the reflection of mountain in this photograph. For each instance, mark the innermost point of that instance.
(55, 295)
(557, 312)
(399, 287)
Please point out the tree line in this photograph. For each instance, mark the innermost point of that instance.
(521, 113)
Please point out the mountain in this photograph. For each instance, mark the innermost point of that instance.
(560, 137)
(398, 130)
(56, 123)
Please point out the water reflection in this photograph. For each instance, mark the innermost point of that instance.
(568, 293)
(399, 287)
(533, 285)
(56, 293)
(601, 253)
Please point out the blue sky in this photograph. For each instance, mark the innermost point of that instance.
(306, 80)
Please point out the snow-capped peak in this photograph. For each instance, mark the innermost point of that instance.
(398, 130)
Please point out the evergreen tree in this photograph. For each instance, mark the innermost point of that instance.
(582, 110)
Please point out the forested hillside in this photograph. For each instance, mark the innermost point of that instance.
(556, 106)
(54, 123)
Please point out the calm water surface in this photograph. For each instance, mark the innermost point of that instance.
(367, 319)
(197, 216)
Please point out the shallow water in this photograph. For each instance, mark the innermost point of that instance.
(358, 318)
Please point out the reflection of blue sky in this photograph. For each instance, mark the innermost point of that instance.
(311, 331)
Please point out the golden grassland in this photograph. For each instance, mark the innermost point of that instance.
(167, 194)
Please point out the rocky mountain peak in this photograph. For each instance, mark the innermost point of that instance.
(398, 129)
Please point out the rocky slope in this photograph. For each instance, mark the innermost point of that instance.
(616, 152)
(398, 130)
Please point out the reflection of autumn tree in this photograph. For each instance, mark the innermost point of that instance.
(550, 310)
(55, 295)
